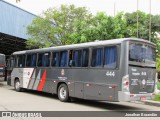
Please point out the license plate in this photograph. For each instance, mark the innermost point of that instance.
(143, 98)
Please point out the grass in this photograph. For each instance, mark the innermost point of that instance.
(157, 97)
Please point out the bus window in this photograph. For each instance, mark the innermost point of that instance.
(15, 61)
(40, 60)
(55, 59)
(110, 57)
(43, 59)
(97, 56)
(77, 58)
(85, 57)
(63, 59)
(31, 60)
(70, 64)
(28, 62)
(21, 60)
(141, 53)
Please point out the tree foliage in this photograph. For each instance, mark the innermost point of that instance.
(57, 25)
(70, 24)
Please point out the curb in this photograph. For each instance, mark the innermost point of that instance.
(151, 102)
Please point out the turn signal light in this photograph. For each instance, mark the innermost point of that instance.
(113, 87)
(127, 83)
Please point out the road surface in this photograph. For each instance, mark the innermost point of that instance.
(10, 100)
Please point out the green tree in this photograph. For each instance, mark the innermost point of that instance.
(158, 65)
(56, 26)
(103, 26)
(100, 27)
(143, 25)
(81, 32)
(143, 29)
(120, 25)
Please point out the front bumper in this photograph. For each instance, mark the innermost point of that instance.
(127, 96)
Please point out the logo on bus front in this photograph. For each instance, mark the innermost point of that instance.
(143, 82)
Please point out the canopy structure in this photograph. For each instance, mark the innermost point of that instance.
(13, 27)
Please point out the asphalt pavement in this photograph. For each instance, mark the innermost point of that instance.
(10, 100)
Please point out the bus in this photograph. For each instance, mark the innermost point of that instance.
(2, 66)
(109, 70)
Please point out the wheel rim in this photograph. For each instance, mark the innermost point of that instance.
(17, 85)
(63, 92)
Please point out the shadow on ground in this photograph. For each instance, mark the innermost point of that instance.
(115, 106)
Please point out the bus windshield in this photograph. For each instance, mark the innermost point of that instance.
(139, 52)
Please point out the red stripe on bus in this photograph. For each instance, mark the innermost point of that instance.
(2, 65)
(42, 81)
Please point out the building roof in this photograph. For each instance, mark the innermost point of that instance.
(14, 20)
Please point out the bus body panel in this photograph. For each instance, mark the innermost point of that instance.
(23, 75)
(79, 89)
(91, 83)
(142, 80)
(88, 86)
(2, 70)
(127, 96)
(2, 65)
(37, 79)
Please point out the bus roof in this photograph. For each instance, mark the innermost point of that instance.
(2, 54)
(83, 45)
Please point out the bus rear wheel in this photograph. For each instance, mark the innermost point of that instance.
(17, 85)
(63, 93)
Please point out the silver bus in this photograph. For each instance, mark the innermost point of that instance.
(2, 66)
(109, 70)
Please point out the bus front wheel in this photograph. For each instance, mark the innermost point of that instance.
(63, 93)
(17, 85)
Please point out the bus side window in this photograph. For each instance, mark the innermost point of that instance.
(55, 59)
(85, 57)
(97, 57)
(110, 57)
(21, 60)
(31, 60)
(15, 61)
(28, 62)
(40, 60)
(77, 58)
(70, 64)
(45, 59)
(63, 58)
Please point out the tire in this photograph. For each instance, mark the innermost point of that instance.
(17, 85)
(63, 93)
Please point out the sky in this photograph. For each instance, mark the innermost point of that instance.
(94, 6)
